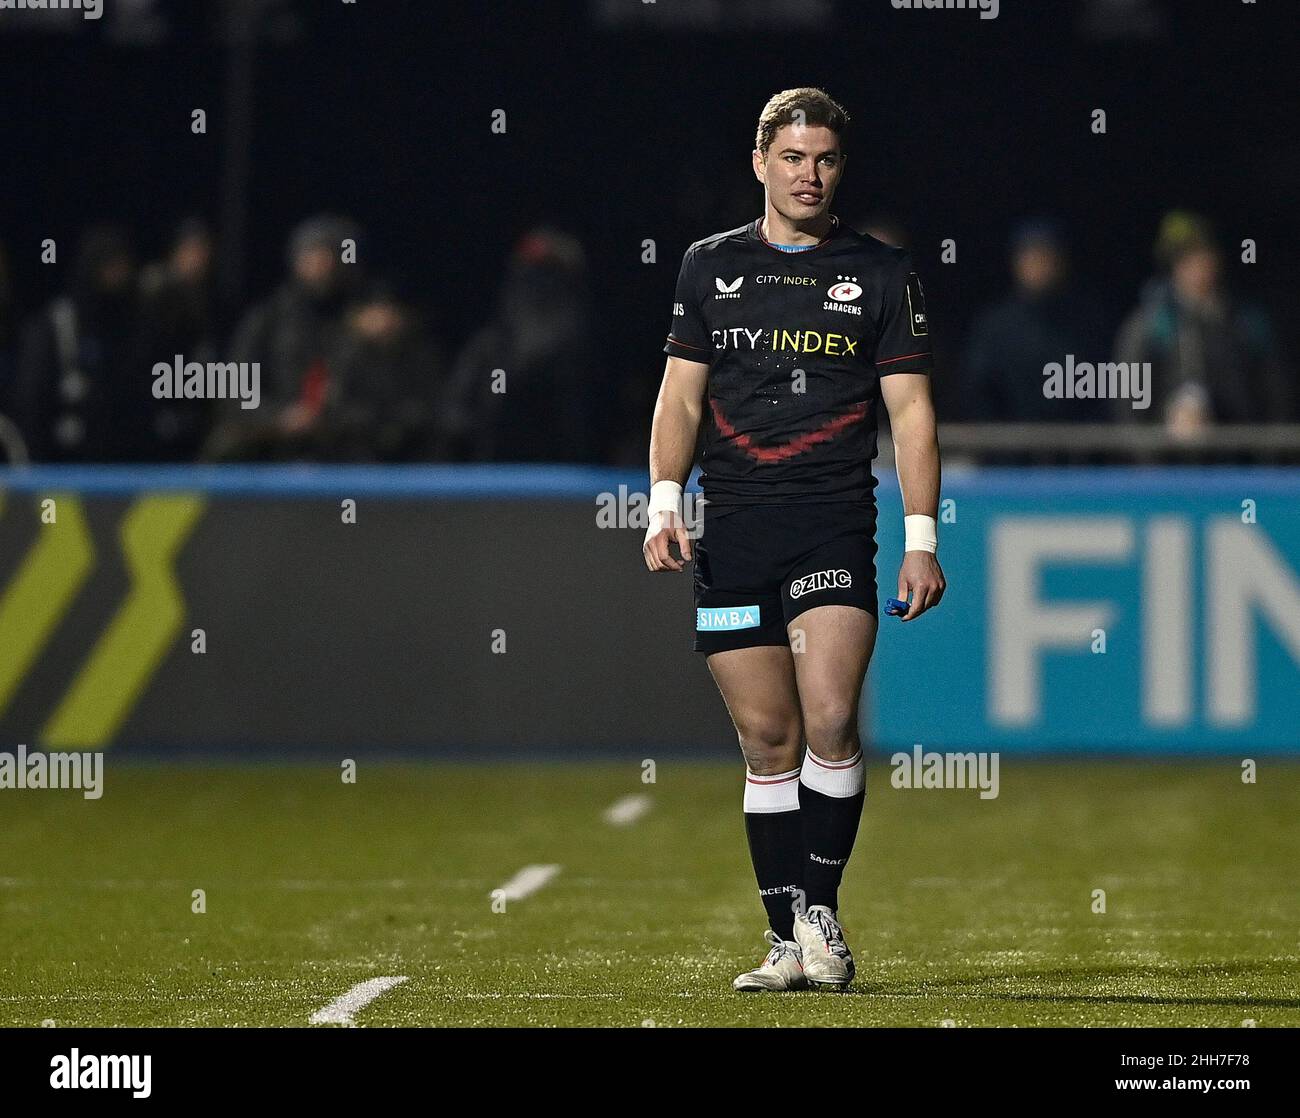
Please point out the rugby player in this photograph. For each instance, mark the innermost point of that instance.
(785, 334)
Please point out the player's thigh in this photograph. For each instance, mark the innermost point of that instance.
(835, 645)
(759, 687)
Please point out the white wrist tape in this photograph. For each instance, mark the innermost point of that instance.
(920, 533)
(665, 496)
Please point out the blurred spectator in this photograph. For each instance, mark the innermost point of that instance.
(178, 318)
(83, 394)
(544, 404)
(1214, 359)
(292, 335)
(1042, 321)
(382, 400)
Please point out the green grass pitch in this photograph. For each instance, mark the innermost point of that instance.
(958, 909)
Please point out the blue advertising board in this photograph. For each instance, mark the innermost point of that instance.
(1110, 610)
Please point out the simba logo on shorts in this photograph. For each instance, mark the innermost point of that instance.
(729, 617)
(822, 580)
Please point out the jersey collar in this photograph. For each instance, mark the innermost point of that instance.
(756, 232)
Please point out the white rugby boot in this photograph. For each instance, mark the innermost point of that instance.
(827, 960)
(781, 970)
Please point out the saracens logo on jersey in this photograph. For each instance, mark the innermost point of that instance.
(845, 290)
(842, 293)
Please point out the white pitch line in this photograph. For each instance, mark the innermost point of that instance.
(340, 1010)
(628, 810)
(526, 882)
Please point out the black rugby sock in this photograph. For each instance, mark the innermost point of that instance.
(775, 835)
(831, 795)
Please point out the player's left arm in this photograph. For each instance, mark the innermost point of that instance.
(916, 452)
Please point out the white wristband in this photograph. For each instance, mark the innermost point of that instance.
(920, 533)
(665, 496)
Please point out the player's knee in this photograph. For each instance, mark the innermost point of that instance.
(832, 730)
(770, 744)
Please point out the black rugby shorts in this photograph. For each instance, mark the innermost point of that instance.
(758, 567)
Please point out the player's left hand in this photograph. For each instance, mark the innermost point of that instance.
(922, 575)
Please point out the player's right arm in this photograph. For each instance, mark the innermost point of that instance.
(673, 434)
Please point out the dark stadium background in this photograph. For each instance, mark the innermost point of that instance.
(381, 110)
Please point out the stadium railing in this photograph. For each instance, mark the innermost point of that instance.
(1118, 443)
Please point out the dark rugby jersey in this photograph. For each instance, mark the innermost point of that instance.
(843, 314)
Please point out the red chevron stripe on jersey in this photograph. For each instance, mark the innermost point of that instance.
(793, 447)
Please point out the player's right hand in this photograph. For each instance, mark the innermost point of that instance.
(666, 528)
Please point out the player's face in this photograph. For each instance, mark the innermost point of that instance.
(801, 170)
